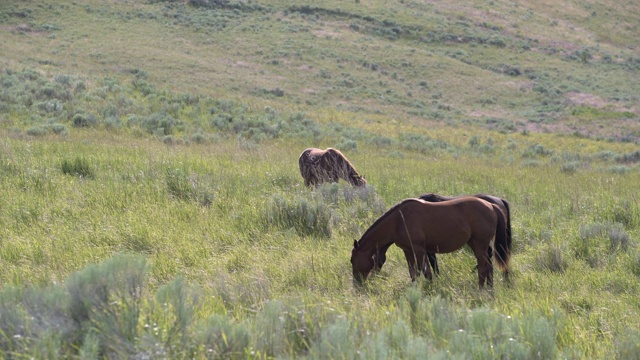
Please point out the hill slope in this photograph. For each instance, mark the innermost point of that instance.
(533, 66)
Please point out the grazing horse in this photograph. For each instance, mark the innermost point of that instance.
(419, 227)
(430, 197)
(318, 166)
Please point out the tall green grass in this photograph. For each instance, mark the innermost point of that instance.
(261, 268)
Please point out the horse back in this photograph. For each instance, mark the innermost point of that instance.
(448, 225)
(475, 210)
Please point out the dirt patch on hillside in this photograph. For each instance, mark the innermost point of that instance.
(326, 34)
(591, 100)
(584, 99)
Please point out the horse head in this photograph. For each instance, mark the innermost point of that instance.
(361, 264)
(358, 180)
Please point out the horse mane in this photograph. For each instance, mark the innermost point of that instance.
(431, 197)
(386, 214)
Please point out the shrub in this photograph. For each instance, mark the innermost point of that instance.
(224, 339)
(551, 258)
(78, 167)
(112, 122)
(348, 145)
(37, 131)
(627, 346)
(269, 330)
(37, 320)
(169, 140)
(336, 342)
(634, 264)
(570, 167)
(308, 217)
(159, 123)
(177, 304)
(477, 333)
(84, 120)
(632, 157)
(198, 138)
(185, 187)
(421, 143)
(592, 246)
(474, 141)
(624, 211)
(106, 298)
(536, 150)
(619, 169)
(59, 129)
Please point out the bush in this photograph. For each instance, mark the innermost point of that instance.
(336, 342)
(627, 346)
(269, 330)
(78, 167)
(308, 217)
(37, 320)
(104, 311)
(619, 169)
(37, 131)
(551, 258)
(106, 299)
(159, 123)
(185, 187)
(634, 264)
(59, 129)
(536, 150)
(597, 240)
(570, 167)
(348, 145)
(421, 143)
(84, 120)
(632, 157)
(477, 333)
(224, 339)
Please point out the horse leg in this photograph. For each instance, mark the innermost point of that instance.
(434, 263)
(426, 270)
(418, 261)
(485, 266)
(412, 264)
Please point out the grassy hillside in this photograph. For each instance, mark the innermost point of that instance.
(536, 66)
(153, 205)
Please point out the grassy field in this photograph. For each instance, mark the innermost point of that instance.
(153, 208)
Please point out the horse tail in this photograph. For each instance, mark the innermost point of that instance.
(508, 215)
(502, 243)
(306, 169)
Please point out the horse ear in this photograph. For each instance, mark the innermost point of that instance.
(355, 244)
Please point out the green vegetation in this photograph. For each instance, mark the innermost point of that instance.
(153, 208)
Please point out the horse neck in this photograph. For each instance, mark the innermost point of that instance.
(351, 177)
(378, 236)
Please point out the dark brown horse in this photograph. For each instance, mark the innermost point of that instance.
(419, 228)
(319, 166)
(430, 197)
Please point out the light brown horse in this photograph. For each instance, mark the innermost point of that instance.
(419, 228)
(318, 166)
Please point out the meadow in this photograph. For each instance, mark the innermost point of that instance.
(153, 208)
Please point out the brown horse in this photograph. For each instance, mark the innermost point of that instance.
(419, 228)
(430, 197)
(319, 166)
